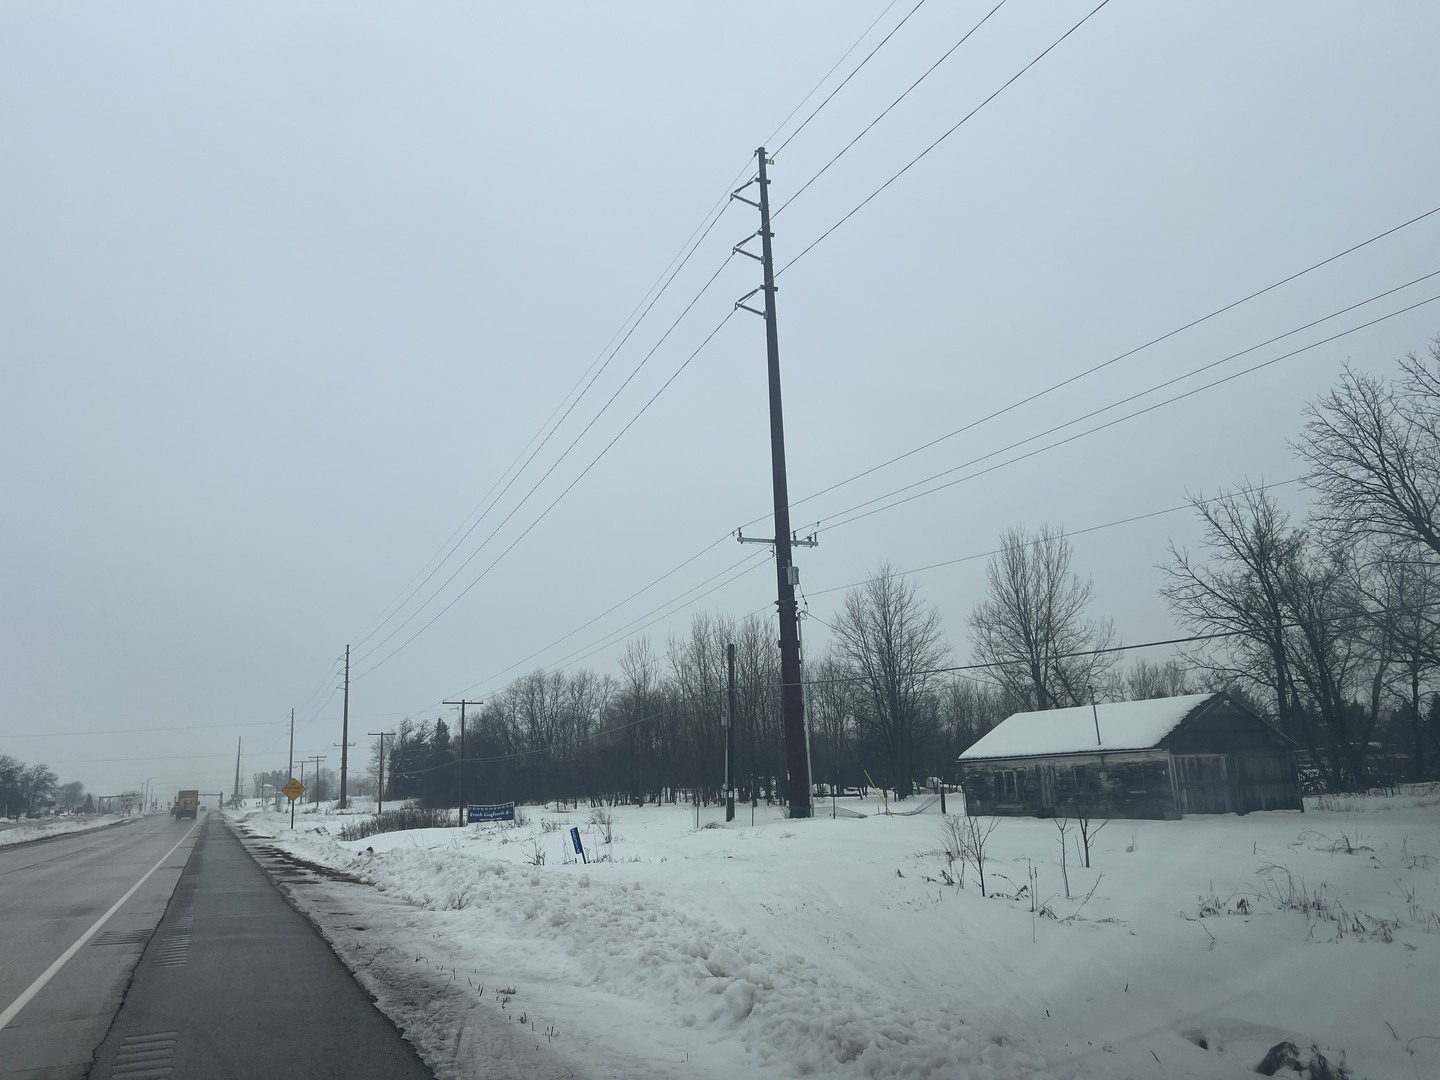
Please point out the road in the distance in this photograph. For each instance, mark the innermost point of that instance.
(51, 894)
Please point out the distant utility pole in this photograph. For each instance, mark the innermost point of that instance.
(235, 795)
(380, 783)
(730, 732)
(317, 759)
(345, 731)
(792, 702)
(462, 705)
(290, 768)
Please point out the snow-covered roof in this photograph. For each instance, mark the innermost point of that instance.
(1124, 725)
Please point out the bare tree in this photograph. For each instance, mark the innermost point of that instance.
(892, 645)
(1062, 825)
(1237, 587)
(974, 838)
(830, 706)
(1398, 614)
(1088, 831)
(1146, 680)
(1291, 622)
(1373, 451)
(1032, 628)
(37, 783)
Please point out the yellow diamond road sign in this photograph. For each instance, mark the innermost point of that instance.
(294, 789)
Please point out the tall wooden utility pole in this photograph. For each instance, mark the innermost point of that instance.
(792, 702)
(462, 705)
(235, 795)
(345, 731)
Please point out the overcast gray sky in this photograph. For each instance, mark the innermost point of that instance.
(286, 289)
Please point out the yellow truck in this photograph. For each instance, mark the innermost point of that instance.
(186, 804)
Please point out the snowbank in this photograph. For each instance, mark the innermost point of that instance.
(44, 828)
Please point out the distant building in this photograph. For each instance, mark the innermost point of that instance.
(1162, 758)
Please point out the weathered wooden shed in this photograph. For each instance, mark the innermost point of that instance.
(1160, 758)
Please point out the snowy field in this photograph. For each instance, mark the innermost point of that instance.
(27, 829)
(836, 948)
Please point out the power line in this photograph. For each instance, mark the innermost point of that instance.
(802, 254)
(605, 644)
(915, 160)
(886, 111)
(1118, 420)
(1172, 333)
(815, 89)
(1212, 364)
(145, 730)
(855, 71)
(1078, 654)
(534, 487)
(1109, 424)
(594, 461)
(228, 755)
(325, 681)
(674, 607)
(614, 636)
(1115, 359)
(707, 229)
(905, 573)
(801, 127)
(1068, 534)
(713, 218)
(606, 640)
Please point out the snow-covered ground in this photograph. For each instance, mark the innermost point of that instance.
(836, 948)
(27, 829)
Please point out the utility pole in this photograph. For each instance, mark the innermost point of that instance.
(380, 783)
(235, 795)
(730, 732)
(462, 705)
(342, 758)
(291, 768)
(792, 702)
(345, 731)
(317, 759)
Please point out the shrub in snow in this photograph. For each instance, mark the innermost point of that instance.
(407, 817)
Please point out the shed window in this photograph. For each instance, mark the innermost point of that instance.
(1009, 784)
(1135, 779)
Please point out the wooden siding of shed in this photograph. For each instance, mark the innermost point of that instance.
(1268, 782)
(1228, 760)
(1128, 784)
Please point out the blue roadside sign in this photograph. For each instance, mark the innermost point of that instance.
(494, 812)
(575, 839)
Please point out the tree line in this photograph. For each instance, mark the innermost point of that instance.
(29, 788)
(1328, 626)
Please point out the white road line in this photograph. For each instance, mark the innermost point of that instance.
(49, 973)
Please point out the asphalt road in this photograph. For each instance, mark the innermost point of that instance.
(75, 914)
(236, 983)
